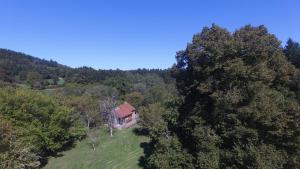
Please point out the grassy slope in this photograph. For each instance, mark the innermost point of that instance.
(122, 151)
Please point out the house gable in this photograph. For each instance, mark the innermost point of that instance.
(124, 110)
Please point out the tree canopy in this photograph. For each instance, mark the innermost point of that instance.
(33, 126)
(239, 107)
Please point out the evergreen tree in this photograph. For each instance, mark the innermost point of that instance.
(292, 52)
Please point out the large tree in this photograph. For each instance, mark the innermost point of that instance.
(239, 107)
(32, 127)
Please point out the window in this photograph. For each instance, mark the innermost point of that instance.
(120, 121)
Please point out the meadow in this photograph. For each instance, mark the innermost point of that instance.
(122, 151)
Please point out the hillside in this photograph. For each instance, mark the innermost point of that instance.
(14, 66)
(20, 68)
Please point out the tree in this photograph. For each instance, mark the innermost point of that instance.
(292, 52)
(134, 98)
(35, 126)
(15, 153)
(164, 149)
(151, 117)
(168, 153)
(4, 75)
(100, 92)
(88, 110)
(87, 107)
(34, 79)
(93, 136)
(120, 83)
(108, 112)
(239, 109)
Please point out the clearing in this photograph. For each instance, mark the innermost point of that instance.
(122, 151)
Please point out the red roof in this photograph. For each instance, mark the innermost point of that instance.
(124, 110)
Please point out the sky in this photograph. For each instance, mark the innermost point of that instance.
(131, 34)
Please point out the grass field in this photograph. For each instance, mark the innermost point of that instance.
(122, 151)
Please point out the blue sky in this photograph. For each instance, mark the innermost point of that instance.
(110, 34)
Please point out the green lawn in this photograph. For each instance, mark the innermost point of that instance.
(121, 151)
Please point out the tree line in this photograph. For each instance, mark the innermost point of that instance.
(17, 67)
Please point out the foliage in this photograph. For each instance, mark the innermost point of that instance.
(239, 107)
(292, 52)
(135, 98)
(167, 153)
(35, 126)
(151, 117)
(20, 65)
(34, 79)
(14, 152)
(121, 84)
(86, 107)
(16, 67)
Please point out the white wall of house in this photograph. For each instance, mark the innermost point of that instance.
(134, 117)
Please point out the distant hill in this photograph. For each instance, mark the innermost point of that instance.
(15, 66)
(20, 68)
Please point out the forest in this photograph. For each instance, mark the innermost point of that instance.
(231, 101)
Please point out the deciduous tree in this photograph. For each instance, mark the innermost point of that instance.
(239, 107)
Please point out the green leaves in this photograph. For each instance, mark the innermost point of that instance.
(240, 108)
(40, 125)
(292, 51)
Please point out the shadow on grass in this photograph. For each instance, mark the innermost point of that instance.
(148, 150)
(47, 155)
(146, 146)
(140, 131)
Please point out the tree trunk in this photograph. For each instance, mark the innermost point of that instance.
(94, 147)
(111, 131)
(88, 124)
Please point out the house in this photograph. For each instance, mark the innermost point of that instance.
(125, 116)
